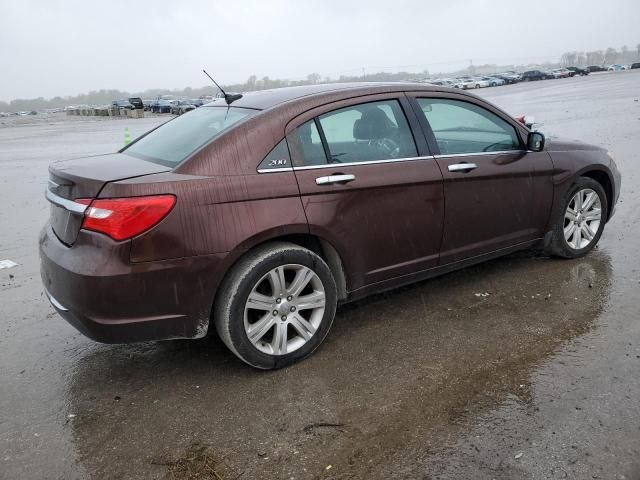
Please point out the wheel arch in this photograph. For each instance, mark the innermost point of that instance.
(604, 179)
(302, 238)
(326, 251)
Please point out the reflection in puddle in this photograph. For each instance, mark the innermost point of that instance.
(396, 372)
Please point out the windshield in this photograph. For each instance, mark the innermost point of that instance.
(174, 141)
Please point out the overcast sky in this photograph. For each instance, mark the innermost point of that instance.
(56, 47)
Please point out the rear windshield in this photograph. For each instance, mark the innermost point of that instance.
(176, 140)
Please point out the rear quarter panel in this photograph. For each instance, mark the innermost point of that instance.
(215, 214)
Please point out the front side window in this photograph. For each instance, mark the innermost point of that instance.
(174, 141)
(462, 127)
(368, 132)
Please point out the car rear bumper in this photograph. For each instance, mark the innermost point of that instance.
(96, 289)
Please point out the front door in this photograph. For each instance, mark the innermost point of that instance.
(369, 186)
(497, 193)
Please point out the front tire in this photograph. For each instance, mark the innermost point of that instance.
(581, 221)
(276, 305)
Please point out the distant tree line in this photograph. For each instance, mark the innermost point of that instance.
(601, 57)
(103, 97)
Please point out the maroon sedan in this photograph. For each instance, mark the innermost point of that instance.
(256, 218)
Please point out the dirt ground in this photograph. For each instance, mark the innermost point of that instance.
(539, 379)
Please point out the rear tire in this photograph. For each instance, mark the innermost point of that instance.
(276, 305)
(580, 222)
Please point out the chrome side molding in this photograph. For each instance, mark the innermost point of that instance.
(55, 302)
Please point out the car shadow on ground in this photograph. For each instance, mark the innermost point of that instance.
(396, 368)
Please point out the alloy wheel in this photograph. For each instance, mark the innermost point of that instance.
(582, 218)
(284, 309)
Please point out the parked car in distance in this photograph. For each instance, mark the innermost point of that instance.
(147, 102)
(635, 65)
(561, 73)
(182, 106)
(616, 67)
(480, 82)
(509, 78)
(464, 83)
(161, 106)
(122, 104)
(494, 81)
(441, 82)
(596, 68)
(535, 75)
(198, 102)
(254, 220)
(137, 103)
(516, 76)
(579, 71)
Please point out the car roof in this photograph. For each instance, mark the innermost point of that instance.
(265, 99)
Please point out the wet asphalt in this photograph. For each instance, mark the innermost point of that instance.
(525, 367)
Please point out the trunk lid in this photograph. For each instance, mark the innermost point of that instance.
(84, 178)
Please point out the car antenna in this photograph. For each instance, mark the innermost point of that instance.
(229, 98)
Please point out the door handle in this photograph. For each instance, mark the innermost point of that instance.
(331, 179)
(462, 167)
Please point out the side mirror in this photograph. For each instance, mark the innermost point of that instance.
(535, 142)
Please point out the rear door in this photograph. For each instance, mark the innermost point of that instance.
(497, 193)
(369, 185)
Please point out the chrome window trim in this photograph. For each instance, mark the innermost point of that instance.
(370, 162)
(476, 154)
(275, 170)
(65, 203)
(390, 160)
(347, 164)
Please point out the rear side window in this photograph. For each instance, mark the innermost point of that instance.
(174, 141)
(462, 127)
(311, 144)
(368, 132)
(277, 158)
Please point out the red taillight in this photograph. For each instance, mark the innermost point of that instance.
(123, 218)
